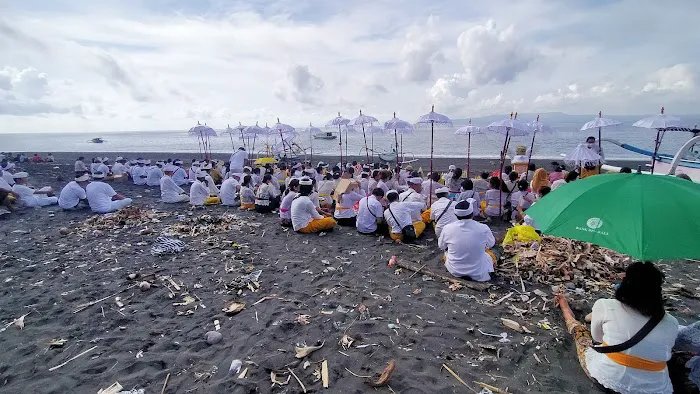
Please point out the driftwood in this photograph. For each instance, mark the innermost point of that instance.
(472, 285)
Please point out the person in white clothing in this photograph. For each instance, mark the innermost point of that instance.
(73, 194)
(306, 217)
(229, 190)
(8, 198)
(179, 174)
(570, 177)
(370, 215)
(290, 194)
(119, 169)
(29, 197)
(466, 244)
(442, 212)
(639, 367)
(139, 173)
(194, 169)
(102, 197)
(428, 188)
(325, 190)
(213, 189)
(345, 205)
(7, 176)
(237, 160)
(467, 192)
(96, 161)
(103, 167)
(154, 174)
(169, 191)
(80, 167)
(400, 215)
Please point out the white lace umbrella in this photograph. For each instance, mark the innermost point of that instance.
(433, 118)
(537, 127)
(400, 127)
(662, 123)
(339, 122)
(468, 130)
(286, 133)
(511, 127)
(581, 155)
(361, 121)
(600, 123)
(203, 132)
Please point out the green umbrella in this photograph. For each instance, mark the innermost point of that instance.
(648, 217)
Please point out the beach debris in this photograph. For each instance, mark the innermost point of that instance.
(303, 388)
(392, 262)
(454, 286)
(233, 307)
(383, 378)
(243, 374)
(217, 325)
(82, 307)
(213, 337)
(146, 231)
(54, 343)
(72, 358)
(273, 378)
(18, 322)
(64, 231)
(144, 286)
(512, 324)
(165, 383)
(430, 275)
(166, 245)
(186, 300)
(235, 367)
(493, 389)
(304, 351)
(303, 319)
(324, 374)
(454, 374)
(114, 388)
(346, 342)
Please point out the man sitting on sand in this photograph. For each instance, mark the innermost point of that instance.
(80, 167)
(370, 215)
(414, 194)
(170, 192)
(74, 193)
(7, 197)
(442, 212)
(139, 172)
(466, 244)
(102, 198)
(154, 174)
(199, 192)
(229, 190)
(179, 175)
(30, 197)
(306, 217)
(400, 215)
(119, 169)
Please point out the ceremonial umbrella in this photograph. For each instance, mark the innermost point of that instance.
(237, 130)
(511, 127)
(468, 130)
(433, 118)
(203, 132)
(312, 130)
(599, 123)
(581, 155)
(661, 122)
(537, 127)
(253, 131)
(372, 130)
(648, 217)
(339, 121)
(400, 127)
(363, 120)
(286, 132)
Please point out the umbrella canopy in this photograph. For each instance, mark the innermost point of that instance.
(539, 127)
(600, 122)
(312, 130)
(662, 123)
(338, 121)
(647, 217)
(514, 127)
(433, 118)
(202, 130)
(468, 130)
(398, 125)
(582, 154)
(254, 131)
(282, 128)
(361, 121)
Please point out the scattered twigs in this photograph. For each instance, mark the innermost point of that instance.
(383, 378)
(417, 271)
(358, 376)
(471, 285)
(72, 358)
(492, 388)
(455, 375)
(82, 307)
(303, 388)
(165, 384)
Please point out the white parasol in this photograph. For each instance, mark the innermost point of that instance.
(286, 133)
(511, 127)
(433, 118)
(537, 127)
(400, 127)
(599, 123)
(339, 121)
(203, 132)
(582, 154)
(662, 123)
(363, 120)
(468, 130)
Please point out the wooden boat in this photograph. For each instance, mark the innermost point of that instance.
(328, 135)
(97, 140)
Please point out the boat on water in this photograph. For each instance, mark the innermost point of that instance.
(327, 135)
(686, 160)
(97, 140)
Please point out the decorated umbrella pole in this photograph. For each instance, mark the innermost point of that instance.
(399, 126)
(286, 132)
(203, 132)
(339, 121)
(599, 123)
(363, 120)
(468, 130)
(537, 127)
(511, 127)
(312, 130)
(661, 122)
(433, 118)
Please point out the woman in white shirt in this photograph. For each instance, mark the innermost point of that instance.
(345, 205)
(305, 216)
(229, 191)
(247, 194)
(325, 190)
(495, 198)
(640, 368)
(521, 200)
(469, 192)
(267, 197)
(290, 194)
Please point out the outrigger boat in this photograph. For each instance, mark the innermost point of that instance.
(686, 160)
(97, 140)
(328, 135)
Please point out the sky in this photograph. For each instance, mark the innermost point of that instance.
(75, 65)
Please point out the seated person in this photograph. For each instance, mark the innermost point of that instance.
(229, 190)
(36, 159)
(638, 367)
(290, 193)
(306, 217)
(399, 215)
(73, 195)
(102, 198)
(30, 197)
(170, 192)
(199, 192)
(8, 198)
(370, 215)
(467, 245)
(345, 202)
(247, 194)
(267, 196)
(442, 212)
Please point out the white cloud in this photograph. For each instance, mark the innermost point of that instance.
(490, 55)
(300, 85)
(23, 93)
(421, 51)
(570, 93)
(679, 78)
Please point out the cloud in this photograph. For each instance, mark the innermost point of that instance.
(490, 55)
(570, 93)
(300, 85)
(679, 78)
(22, 93)
(421, 50)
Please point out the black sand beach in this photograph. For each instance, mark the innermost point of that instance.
(338, 283)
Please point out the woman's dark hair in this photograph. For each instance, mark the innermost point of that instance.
(267, 178)
(378, 192)
(484, 175)
(306, 190)
(507, 169)
(513, 176)
(247, 180)
(523, 185)
(350, 170)
(457, 173)
(532, 167)
(641, 289)
(384, 175)
(467, 184)
(393, 196)
(293, 185)
(571, 176)
(625, 170)
(496, 183)
(435, 176)
(375, 173)
(544, 190)
(328, 176)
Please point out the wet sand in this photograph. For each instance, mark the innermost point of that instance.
(340, 280)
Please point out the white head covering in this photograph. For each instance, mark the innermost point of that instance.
(442, 190)
(177, 162)
(207, 166)
(169, 168)
(119, 158)
(201, 174)
(452, 167)
(247, 168)
(392, 192)
(160, 163)
(465, 208)
(140, 161)
(20, 175)
(98, 175)
(415, 181)
(306, 182)
(82, 178)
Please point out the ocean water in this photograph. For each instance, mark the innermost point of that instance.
(446, 144)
